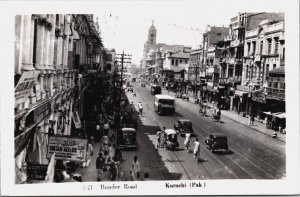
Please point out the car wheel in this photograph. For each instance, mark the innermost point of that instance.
(212, 149)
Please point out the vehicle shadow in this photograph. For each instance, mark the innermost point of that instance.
(224, 152)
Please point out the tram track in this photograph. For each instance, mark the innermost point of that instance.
(238, 149)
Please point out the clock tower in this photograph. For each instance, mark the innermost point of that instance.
(152, 35)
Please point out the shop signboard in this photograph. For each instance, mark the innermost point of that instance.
(36, 171)
(243, 88)
(67, 148)
(76, 119)
(42, 111)
(259, 96)
(24, 86)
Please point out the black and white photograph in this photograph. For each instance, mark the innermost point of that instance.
(150, 97)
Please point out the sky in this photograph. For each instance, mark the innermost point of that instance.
(124, 26)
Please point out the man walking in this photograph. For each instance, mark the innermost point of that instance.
(135, 167)
(100, 165)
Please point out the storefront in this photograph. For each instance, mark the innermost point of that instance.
(31, 144)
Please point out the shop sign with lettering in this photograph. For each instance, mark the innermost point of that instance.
(36, 171)
(24, 86)
(66, 148)
(42, 111)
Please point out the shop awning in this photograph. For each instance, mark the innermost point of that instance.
(267, 112)
(280, 115)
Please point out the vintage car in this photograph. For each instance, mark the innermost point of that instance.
(143, 84)
(183, 126)
(155, 89)
(216, 141)
(185, 96)
(170, 139)
(127, 138)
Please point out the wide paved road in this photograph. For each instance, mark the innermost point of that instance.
(253, 155)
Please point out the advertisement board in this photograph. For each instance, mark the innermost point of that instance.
(24, 86)
(76, 119)
(67, 148)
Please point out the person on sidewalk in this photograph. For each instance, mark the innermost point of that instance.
(252, 119)
(99, 166)
(158, 136)
(135, 165)
(249, 121)
(89, 154)
(106, 128)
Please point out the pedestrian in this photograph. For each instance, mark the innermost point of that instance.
(187, 141)
(252, 119)
(158, 135)
(111, 151)
(99, 166)
(196, 148)
(135, 167)
(98, 133)
(89, 154)
(249, 121)
(134, 94)
(106, 128)
(132, 107)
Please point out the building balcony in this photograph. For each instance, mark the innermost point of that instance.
(251, 33)
(275, 27)
(235, 60)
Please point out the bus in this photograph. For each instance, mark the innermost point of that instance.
(164, 104)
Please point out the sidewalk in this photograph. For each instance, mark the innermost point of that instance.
(90, 173)
(258, 126)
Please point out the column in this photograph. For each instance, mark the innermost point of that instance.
(19, 32)
(27, 65)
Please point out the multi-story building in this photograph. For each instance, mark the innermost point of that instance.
(110, 61)
(233, 53)
(53, 56)
(211, 61)
(264, 51)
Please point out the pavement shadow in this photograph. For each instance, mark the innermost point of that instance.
(223, 152)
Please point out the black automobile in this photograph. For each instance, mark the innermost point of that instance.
(216, 141)
(155, 89)
(183, 126)
(143, 84)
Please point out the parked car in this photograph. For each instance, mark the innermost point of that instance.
(178, 95)
(143, 84)
(216, 141)
(127, 138)
(183, 126)
(185, 96)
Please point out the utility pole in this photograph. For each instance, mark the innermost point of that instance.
(122, 58)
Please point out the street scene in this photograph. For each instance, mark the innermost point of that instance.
(90, 109)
